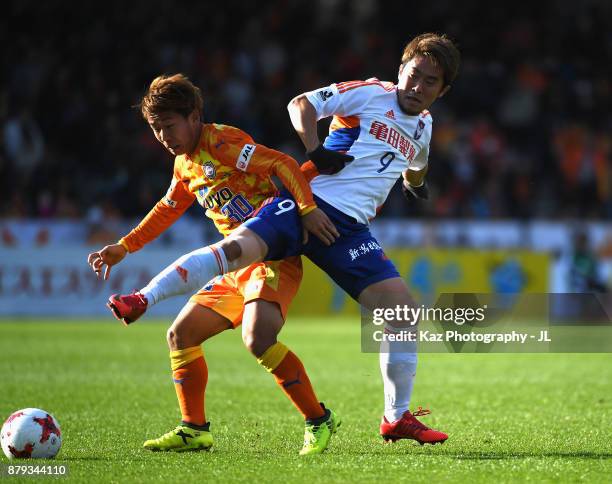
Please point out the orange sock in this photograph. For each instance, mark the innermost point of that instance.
(291, 376)
(190, 383)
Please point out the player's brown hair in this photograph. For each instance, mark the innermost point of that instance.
(175, 93)
(440, 49)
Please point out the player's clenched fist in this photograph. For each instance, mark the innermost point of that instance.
(108, 256)
(328, 162)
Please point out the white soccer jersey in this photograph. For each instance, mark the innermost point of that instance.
(369, 125)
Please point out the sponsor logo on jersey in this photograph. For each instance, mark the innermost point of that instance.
(393, 138)
(170, 202)
(167, 199)
(325, 94)
(390, 114)
(209, 170)
(218, 198)
(245, 157)
(419, 129)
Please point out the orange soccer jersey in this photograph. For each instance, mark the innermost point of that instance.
(230, 176)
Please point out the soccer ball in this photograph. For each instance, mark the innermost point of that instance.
(31, 433)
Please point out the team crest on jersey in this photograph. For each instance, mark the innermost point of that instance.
(419, 129)
(209, 170)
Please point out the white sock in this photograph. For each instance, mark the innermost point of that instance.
(398, 370)
(186, 274)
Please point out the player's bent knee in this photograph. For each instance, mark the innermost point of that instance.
(172, 339)
(231, 249)
(249, 341)
(242, 248)
(257, 344)
(180, 336)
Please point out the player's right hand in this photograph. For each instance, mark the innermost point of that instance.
(327, 161)
(421, 192)
(319, 224)
(109, 256)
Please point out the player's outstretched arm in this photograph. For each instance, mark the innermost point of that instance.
(162, 215)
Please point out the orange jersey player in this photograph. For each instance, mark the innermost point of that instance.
(229, 174)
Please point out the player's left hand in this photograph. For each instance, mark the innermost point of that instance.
(319, 224)
(109, 256)
(411, 193)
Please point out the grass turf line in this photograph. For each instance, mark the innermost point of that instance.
(510, 417)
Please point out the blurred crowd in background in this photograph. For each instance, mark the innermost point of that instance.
(525, 131)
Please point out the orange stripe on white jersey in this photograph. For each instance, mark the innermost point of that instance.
(347, 86)
(339, 122)
(353, 85)
(341, 85)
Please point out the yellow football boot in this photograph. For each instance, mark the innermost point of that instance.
(181, 439)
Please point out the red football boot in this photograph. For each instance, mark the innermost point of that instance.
(127, 308)
(408, 427)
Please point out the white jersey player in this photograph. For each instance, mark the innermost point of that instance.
(369, 125)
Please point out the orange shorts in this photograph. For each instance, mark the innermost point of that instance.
(273, 281)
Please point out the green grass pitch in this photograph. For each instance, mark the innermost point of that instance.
(510, 417)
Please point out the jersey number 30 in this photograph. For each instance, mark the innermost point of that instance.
(237, 209)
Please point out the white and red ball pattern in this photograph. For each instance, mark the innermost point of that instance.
(31, 433)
